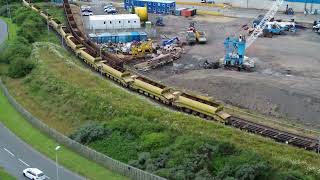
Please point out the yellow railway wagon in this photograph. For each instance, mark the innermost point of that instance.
(25, 3)
(62, 32)
(154, 90)
(55, 23)
(35, 8)
(44, 15)
(193, 106)
(113, 72)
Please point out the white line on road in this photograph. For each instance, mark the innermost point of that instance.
(8, 152)
(47, 177)
(24, 162)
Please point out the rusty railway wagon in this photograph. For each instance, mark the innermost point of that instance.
(112, 67)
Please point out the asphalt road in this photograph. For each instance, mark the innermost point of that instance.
(16, 155)
(3, 31)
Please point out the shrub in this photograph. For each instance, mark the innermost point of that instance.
(20, 67)
(90, 132)
(155, 140)
(17, 48)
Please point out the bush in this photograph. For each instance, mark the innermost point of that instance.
(90, 132)
(20, 67)
(155, 140)
(32, 25)
(294, 175)
(19, 48)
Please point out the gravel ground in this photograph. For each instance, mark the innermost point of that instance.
(285, 83)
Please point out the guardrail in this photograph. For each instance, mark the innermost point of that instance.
(112, 164)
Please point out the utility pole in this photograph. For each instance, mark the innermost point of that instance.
(57, 167)
(319, 146)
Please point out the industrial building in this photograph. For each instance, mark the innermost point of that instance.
(154, 6)
(111, 22)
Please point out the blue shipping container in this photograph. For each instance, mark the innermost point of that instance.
(122, 37)
(154, 6)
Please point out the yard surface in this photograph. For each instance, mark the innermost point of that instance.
(285, 83)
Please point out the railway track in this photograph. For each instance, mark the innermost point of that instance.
(83, 43)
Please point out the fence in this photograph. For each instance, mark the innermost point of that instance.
(114, 165)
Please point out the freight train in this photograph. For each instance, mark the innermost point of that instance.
(110, 66)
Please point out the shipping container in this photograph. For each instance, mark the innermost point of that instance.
(143, 36)
(186, 13)
(153, 6)
(122, 37)
(178, 11)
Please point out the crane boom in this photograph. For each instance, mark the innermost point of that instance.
(263, 23)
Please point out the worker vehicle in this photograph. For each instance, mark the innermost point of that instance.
(110, 10)
(159, 21)
(171, 41)
(86, 13)
(34, 174)
(288, 11)
(316, 26)
(201, 37)
(208, 1)
(235, 54)
(85, 8)
(191, 37)
(139, 50)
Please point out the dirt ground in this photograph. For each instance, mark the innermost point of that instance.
(285, 83)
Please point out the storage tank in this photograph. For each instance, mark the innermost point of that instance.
(142, 12)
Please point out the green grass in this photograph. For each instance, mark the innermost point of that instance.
(54, 11)
(5, 176)
(19, 126)
(66, 96)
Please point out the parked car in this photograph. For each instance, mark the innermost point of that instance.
(86, 13)
(208, 1)
(107, 6)
(85, 8)
(34, 174)
(110, 10)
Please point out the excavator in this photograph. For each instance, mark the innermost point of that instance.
(193, 35)
(139, 50)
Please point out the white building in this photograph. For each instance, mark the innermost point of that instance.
(119, 21)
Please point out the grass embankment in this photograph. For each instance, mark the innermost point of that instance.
(5, 176)
(19, 126)
(66, 97)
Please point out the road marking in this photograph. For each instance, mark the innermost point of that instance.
(47, 177)
(8, 152)
(24, 162)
